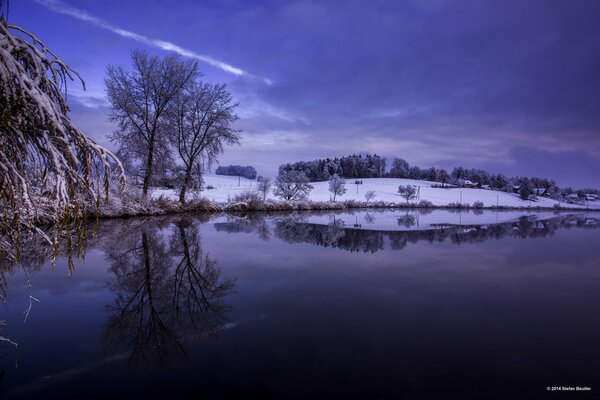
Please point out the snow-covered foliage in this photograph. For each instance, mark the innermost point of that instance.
(49, 169)
(408, 192)
(354, 166)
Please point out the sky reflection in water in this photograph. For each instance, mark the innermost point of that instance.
(295, 305)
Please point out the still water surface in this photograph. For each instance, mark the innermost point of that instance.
(389, 304)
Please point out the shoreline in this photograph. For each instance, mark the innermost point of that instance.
(161, 208)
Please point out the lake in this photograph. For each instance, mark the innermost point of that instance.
(379, 304)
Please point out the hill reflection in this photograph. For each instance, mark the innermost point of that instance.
(296, 229)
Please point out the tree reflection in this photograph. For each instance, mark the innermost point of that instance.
(369, 218)
(407, 220)
(166, 291)
(252, 222)
(334, 234)
(337, 235)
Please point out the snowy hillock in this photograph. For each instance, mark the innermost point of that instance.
(222, 189)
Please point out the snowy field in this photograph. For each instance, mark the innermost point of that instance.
(386, 189)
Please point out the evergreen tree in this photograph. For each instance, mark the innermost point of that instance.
(525, 189)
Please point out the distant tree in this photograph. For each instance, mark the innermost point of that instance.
(264, 187)
(370, 195)
(499, 181)
(292, 185)
(348, 167)
(200, 117)
(444, 177)
(354, 166)
(399, 168)
(458, 173)
(408, 192)
(432, 174)
(139, 101)
(237, 170)
(525, 189)
(415, 172)
(482, 177)
(337, 186)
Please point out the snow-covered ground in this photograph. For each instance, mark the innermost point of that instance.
(386, 189)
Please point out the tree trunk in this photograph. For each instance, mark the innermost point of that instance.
(186, 182)
(148, 174)
(147, 268)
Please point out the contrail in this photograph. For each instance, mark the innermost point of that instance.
(82, 15)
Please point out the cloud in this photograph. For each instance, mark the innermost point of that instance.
(438, 83)
(576, 168)
(82, 15)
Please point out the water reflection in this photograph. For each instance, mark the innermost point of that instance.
(166, 291)
(297, 229)
(437, 317)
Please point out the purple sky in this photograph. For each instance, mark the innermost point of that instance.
(509, 85)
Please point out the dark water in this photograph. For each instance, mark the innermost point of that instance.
(367, 305)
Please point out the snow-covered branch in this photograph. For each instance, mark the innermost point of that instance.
(49, 169)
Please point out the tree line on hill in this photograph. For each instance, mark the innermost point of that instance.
(374, 166)
(354, 166)
(237, 170)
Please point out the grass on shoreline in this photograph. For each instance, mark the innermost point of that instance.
(163, 206)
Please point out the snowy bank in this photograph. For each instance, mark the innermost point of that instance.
(222, 190)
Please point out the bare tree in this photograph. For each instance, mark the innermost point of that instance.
(49, 169)
(139, 100)
(370, 195)
(337, 185)
(264, 187)
(409, 192)
(292, 185)
(201, 116)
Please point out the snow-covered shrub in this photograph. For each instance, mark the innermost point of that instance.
(458, 205)
(408, 192)
(351, 203)
(478, 204)
(425, 204)
(204, 204)
(163, 201)
(249, 196)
